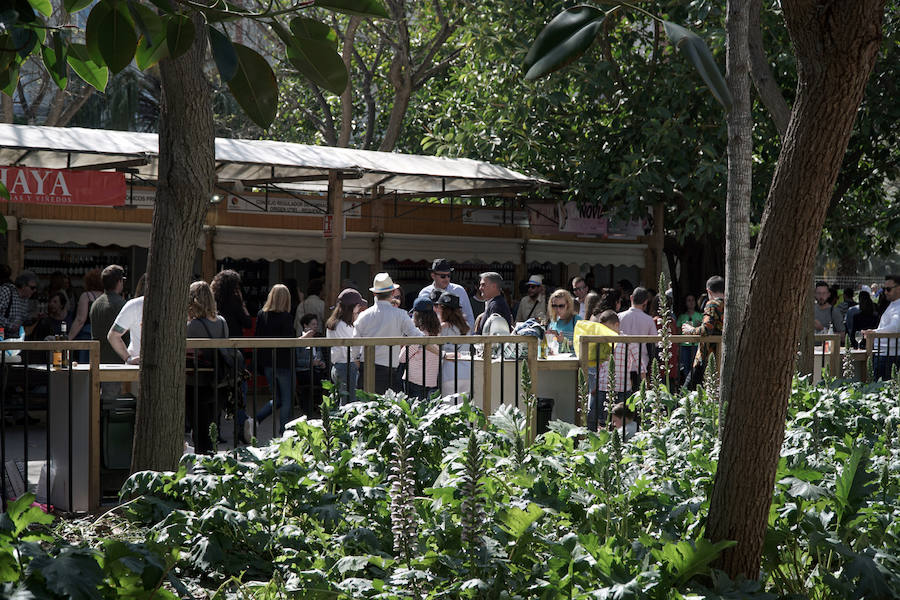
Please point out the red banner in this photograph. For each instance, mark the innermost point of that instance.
(61, 187)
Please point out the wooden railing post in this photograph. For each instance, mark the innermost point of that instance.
(369, 370)
(94, 491)
(487, 359)
(531, 411)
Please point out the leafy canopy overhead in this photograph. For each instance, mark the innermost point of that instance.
(117, 33)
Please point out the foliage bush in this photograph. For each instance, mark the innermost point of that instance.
(398, 498)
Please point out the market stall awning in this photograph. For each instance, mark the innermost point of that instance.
(460, 249)
(102, 233)
(287, 244)
(592, 253)
(264, 162)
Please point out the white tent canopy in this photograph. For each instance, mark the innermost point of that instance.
(257, 162)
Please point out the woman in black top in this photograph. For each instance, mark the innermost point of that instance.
(274, 321)
(226, 288)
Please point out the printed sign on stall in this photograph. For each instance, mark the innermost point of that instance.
(586, 219)
(31, 185)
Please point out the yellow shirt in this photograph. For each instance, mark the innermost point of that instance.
(585, 327)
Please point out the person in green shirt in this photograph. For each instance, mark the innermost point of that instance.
(686, 352)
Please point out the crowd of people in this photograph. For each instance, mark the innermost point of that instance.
(441, 308)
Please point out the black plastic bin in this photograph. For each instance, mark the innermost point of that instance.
(117, 431)
(544, 414)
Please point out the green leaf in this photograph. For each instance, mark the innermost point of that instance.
(563, 40)
(93, 30)
(803, 489)
(53, 62)
(517, 521)
(304, 27)
(179, 35)
(686, 560)
(254, 86)
(152, 46)
(9, 78)
(23, 514)
(42, 6)
(223, 53)
(73, 573)
(93, 74)
(698, 53)
(318, 61)
(117, 41)
(73, 6)
(362, 8)
(855, 483)
(24, 40)
(7, 56)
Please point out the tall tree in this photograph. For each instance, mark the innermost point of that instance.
(116, 34)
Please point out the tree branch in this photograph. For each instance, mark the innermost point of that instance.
(347, 96)
(762, 76)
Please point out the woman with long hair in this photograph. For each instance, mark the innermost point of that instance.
(456, 374)
(274, 321)
(81, 326)
(861, 317)
(345, 359)
(203, 322)
(563, 316)
(226, 288)
(423, 362)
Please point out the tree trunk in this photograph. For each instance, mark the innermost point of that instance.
(836, 44)
(737, 203)
(186, 176)
(763, 77)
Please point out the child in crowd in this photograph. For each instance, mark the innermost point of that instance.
(426, 320)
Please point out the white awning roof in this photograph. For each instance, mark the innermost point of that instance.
(461, 249)
(288, 244)
(103, 233)
(592, 253)
(255, 162)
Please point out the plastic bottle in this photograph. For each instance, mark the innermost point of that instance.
(1, 334)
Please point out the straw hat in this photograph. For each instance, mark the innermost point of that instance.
(383, 283)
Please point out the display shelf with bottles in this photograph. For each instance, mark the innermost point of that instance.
(72, 261)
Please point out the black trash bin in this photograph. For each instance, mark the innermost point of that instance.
(117, 431)
(544, 414)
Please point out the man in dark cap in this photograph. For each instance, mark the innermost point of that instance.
(441, 269)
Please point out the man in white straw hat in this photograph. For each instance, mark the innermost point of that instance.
(383, 319)
(533, 305)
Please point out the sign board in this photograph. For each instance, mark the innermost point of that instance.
(494, 216)
(328, 227)
(585, 219)
(308, 206)
(30, 185)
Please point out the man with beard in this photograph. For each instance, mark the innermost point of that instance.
(825, 314)
(533, 305)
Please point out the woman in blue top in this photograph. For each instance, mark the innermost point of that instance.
(563, 316)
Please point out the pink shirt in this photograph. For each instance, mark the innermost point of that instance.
(634, 321)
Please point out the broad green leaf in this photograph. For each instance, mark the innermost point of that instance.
(803, 489)
(517, 521)
(254, 86)
(563, 40)
(117, 41)
(686, 560)
(42, 6)
(7, 56)
(318, 61)
(163, 5)
(307, 28)
(73, 6)
(698, 53)
(855, 483)
(363, 8)
(93, 30)
(179, 35)
(9, 77)
(152, 46)
(23, 514)
(24, 40)
(79, 59)
(52, 63)
(223, 53)
(74, 573)
(4, 193)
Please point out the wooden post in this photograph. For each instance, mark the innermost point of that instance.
(487, 384)
(94, 429)
(377, 225)
(369, 371)
(209, 255)
(333, 244)
(15, 249)
(531, 412)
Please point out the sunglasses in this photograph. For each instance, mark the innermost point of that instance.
(558, 305)
(580, 288)
(886, 288)
(443, 275)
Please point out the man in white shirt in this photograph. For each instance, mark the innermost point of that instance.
(887, 350)
(441, 271)
(636, 321)
(534, 304)
(129, 319)
(383, 319)
(581, 290)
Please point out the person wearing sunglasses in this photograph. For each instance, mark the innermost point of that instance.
(887, 350)
(563, 316)
(441, 271)
(14, 299)
(533, 305)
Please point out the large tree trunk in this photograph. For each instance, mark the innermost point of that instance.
(836, 44)
(737, 204)
(186, 176)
